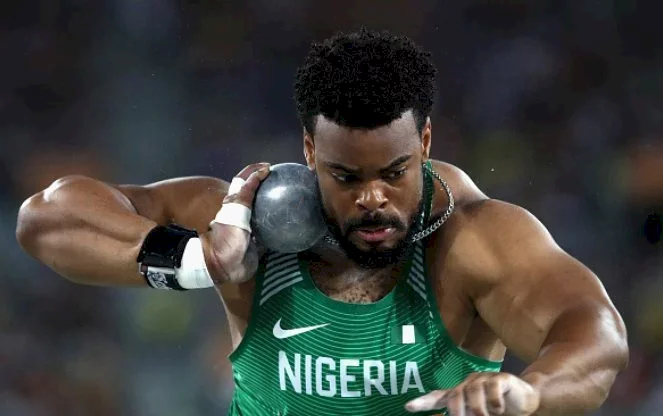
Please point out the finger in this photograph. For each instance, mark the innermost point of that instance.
(236, 210)
(455, 403)
(431, 401)
(246, 193)
(240, 179)
(494, 391)
(519, 397)
(248, 170)
(475, 398)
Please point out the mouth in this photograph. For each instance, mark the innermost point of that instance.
(375, 234)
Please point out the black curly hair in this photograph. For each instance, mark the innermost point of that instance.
(365, 79)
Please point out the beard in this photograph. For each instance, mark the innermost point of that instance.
(375, 258)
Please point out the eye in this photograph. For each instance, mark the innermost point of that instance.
(395, 174)
(345, 178)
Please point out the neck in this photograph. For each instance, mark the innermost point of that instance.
(340, 278)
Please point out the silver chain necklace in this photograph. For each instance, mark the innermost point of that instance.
(431, 228)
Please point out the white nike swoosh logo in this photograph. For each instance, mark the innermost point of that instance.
(281, 333)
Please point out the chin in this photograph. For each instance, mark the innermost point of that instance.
(377, 256)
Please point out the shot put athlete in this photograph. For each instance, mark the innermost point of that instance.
(409, 301)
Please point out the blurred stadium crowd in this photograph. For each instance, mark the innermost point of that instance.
(553, 105)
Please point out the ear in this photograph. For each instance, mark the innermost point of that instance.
(309, 150)
(426, 140)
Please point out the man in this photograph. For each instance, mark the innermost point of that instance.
(410, 302)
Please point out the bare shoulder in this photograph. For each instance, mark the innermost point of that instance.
(485, 237)
(479, 217)
(463, 188)
(504, 227)
(190, 201)
(508, 246)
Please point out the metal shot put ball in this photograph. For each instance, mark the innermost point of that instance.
(287, 216)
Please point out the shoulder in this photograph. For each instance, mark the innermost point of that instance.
(463, 188)
(487, 239)
(515, 252)
(493, 220)
(504, 227)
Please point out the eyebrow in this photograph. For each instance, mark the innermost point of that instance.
(399, 160)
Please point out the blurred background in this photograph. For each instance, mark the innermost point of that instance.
(553, 105)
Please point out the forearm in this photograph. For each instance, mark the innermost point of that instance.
(568, 391)
(86, 231)
(582, 355)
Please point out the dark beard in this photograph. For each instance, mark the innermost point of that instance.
(375, 258)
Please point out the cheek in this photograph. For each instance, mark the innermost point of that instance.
(332, 200)
(407, 196)
(407, 206)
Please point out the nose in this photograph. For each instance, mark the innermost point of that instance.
(371, 198)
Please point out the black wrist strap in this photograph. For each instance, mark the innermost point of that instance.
(161, 253)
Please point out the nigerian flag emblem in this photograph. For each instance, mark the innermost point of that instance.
(406, 334)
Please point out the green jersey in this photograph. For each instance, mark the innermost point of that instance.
(305, 353)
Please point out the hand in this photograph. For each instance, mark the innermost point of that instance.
(482, 394)
(230, 252)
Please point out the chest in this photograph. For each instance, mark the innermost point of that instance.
(353, 285)
(316, 345)
(360, 286)
(305, 347)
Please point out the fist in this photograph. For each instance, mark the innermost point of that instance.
(482, 394)
(231, 254)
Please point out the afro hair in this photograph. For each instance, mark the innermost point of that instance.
(365, 80)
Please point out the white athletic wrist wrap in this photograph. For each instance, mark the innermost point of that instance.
(234, 214)
(236, 185)
(193, 273)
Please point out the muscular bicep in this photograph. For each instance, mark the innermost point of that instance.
(534, 285)
(190, 201)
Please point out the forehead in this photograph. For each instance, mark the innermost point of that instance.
(364, 148)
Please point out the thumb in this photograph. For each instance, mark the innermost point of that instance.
(520, 398)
